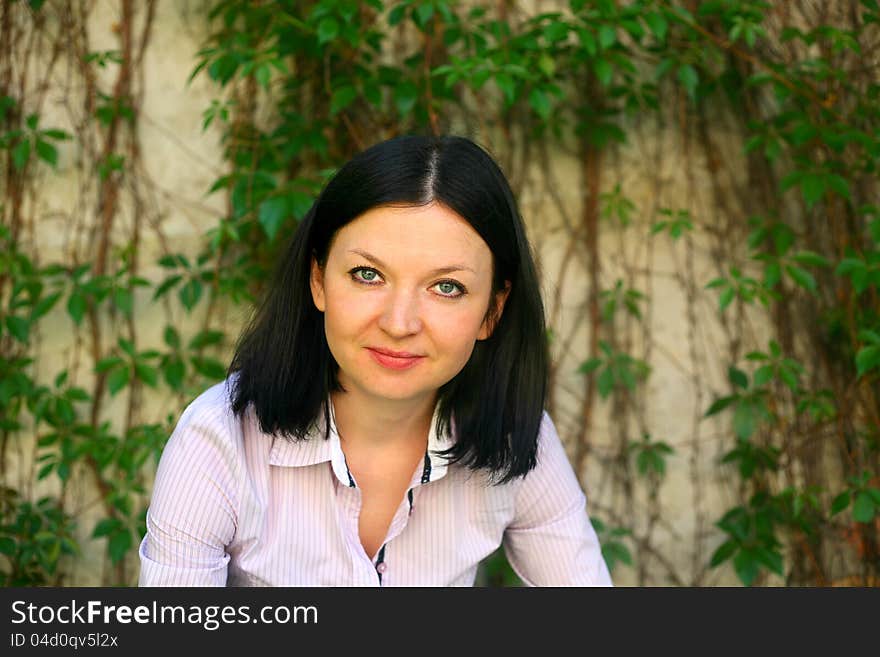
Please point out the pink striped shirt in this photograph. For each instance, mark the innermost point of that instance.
(233, 506)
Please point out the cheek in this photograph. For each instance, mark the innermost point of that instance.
(346, 311)
(456, 332)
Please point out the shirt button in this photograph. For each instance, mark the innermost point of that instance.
(382, 567)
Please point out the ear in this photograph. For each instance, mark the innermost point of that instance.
(494, 315)
(316, 282)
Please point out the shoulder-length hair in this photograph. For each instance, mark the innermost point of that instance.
(283, 365)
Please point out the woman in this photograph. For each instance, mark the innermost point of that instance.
(383, 422)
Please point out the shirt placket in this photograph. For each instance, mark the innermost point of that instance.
(401, 517)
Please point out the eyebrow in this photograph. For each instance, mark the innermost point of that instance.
(440, 270)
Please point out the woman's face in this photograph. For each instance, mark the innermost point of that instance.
(404, 294)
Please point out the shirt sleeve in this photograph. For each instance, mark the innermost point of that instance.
(550, 541)
(192, 515)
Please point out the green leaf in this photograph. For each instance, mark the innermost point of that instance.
(44, 305)
(725, 298)
(47, 152)
(206, 338)
(123, 300)
(607, 36)
(299, 203)
(588, 40)
(546, 64)
(605, 382)
(723, 553)
(146, 373)
(76, 307)
(867, 358)
(118, 379)
(7, 546)
(61, 379)
(396, 14)
(771, 559)
(166, 285)
(658, 24)
(423, 14)
(604, 71)
(745, 419)
(868, 335)
(405, 96)
(105, 527)
(540, 102)
(588, 366)
(556, 31)
(615, 551)
(839, 185)
(273, 212)
(328, 29)
(209, 368)
(119, 544)
(127, 346)
(262, 74)
(840, 502)
(57, 135)
(719, 405)
(109, 363)
(688, 77)
(738, 377)
(763, 375)
(874, 229)
(190, 293)
(173, 260)
(342, 98)
(746, 567)
(863, 509)
(772, 274)
(813, 188)
(172, 337)
(810, 258)
(173, 371)
(78, 394)
(18, 327)
(802, 277)
(21, 153)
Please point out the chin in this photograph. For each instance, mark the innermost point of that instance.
(398, 393)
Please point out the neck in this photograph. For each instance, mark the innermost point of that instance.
(364, 421)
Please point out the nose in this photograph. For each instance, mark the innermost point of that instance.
(400, 316)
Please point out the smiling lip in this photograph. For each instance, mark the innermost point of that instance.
(394, 360)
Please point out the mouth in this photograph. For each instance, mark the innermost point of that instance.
(394, 360)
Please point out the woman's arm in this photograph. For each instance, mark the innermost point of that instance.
(193, 510)
(551, 541)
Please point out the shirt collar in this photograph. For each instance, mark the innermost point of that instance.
(315, 449)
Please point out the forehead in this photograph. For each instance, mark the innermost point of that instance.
(428, 234)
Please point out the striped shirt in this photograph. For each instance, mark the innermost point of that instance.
(234, 506)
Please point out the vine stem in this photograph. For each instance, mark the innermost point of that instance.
(803, 88)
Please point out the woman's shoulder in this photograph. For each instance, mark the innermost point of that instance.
(550, 448)
(208, 421)
(212, 404)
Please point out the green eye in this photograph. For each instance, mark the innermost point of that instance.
(364, 275)
(450, 289)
